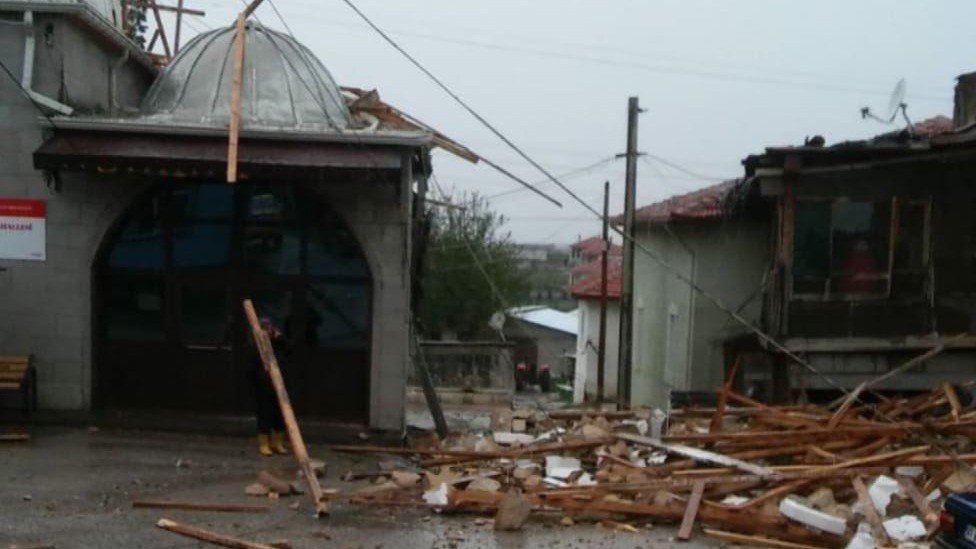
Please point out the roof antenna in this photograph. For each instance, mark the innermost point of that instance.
(896, 104)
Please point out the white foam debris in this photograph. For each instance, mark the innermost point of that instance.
(792, 507)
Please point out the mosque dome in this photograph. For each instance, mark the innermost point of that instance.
(284, 85)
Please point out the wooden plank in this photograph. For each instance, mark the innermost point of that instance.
(520, 452)
(750, 541)
(14, 437)
(870, 512)
(699, 455)
(287, 412)
(234, 131)
(215, 538)
(953, 399)
(198, 506)
(846, 406)
(929, 515)
(691, 511)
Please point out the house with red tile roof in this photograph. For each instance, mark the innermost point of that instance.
(588, 290)
(716, 238)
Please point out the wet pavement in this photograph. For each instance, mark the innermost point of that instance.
(72, 487)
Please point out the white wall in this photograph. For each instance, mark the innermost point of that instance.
(586, 354)
(678, 334)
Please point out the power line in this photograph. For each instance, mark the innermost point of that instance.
(680, 168)
(571, 173)
(664, 69)
(763, 336)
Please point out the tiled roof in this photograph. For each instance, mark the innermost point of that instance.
(589, 287)
(585, 269)
(591, 245)
(701, 204)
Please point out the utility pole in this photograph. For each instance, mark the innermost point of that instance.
(627, 278)
(602, 351)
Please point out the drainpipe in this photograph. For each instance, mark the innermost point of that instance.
(113, 82)
(691, 306)
(27, 78)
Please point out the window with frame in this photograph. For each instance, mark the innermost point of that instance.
(858, 249)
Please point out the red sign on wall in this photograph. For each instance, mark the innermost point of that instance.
(23, 230)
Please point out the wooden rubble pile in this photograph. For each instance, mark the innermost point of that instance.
(855, 475)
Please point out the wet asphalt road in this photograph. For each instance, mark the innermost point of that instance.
(72, 487)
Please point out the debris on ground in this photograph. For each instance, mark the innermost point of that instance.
(743, 471)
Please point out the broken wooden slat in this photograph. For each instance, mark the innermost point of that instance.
(953, 399)
(846, 406)
(215, 538)
(929, 516)
(14, 437)
(691, 511)
(763, 541)
(520, 451)
(266, 352)
(198, 506)
(699, 455)
(870, 512)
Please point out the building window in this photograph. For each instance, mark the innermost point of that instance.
(849, 249)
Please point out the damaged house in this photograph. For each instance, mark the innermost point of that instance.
(856, 256)
(130, 303)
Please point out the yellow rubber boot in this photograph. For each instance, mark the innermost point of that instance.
(278, 442)
(264, 447)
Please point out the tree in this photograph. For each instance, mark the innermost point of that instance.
(135, 25)
(461, 293)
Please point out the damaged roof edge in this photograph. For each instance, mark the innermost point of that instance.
(401, 138)
(88, 15)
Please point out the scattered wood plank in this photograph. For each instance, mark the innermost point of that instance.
(929, 515)
(691, 511)
(266, 352)
(14, 437)
(953, 399)
(699, 455)
(198, 506)
(762, 541)
(215, 538)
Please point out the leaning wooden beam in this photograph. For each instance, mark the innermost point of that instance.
(222, 540)
(698, 454)
(750, 541)
(234, 130)
(691, 511)
(198, 506)
(266, 352)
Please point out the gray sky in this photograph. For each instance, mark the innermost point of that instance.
(719, 80)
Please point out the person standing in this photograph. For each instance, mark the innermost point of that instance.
(271, 426)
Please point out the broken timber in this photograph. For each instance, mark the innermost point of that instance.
(222, 540)
(691, 511)
(198, 506)
(266, 352)
(698, 454)
(235, 99)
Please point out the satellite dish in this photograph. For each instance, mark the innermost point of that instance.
(497, 321)
(896, 104)
(897, 99)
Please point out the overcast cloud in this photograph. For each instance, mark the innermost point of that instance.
(719, 79)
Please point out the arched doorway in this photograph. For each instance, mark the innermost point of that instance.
(169, 328)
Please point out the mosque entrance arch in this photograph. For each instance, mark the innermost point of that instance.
(169, 280)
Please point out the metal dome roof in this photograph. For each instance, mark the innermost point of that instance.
(284, 85)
